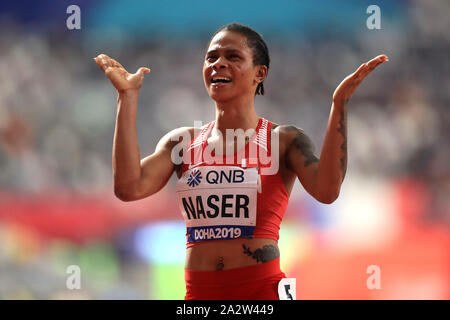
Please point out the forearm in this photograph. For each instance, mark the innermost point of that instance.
(323, 180)
(333, 158)
(126, 154)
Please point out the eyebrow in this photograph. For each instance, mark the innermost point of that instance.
(226, 50)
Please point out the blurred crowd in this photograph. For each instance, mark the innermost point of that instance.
(57, 109)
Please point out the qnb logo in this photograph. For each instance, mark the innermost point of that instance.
(232, 176)
(195, 178)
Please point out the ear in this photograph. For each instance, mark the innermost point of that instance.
(261, 74)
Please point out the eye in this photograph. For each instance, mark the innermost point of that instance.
(211, 58)
(234, 57)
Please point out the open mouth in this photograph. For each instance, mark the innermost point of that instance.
(220, 80)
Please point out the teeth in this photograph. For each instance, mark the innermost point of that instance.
(221, 78)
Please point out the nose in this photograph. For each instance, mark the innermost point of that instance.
(219, 63)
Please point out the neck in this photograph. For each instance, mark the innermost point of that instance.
(236, 115)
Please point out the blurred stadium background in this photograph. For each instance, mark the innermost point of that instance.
(57, 116)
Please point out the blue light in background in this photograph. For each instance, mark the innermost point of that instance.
(162, 242)
(202, 17)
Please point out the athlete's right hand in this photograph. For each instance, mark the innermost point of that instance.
(119, 77)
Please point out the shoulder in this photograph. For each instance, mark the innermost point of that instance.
(288, 133)
(294, 141)
(178, 133)
(175, 136)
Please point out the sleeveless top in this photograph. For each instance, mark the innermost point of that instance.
(234, 196)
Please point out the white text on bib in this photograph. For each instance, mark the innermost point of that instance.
(218, 202)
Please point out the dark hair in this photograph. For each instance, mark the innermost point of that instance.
(254, 42)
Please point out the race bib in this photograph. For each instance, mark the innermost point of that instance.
(218, 202)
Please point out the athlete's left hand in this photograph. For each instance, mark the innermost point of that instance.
(348, 86)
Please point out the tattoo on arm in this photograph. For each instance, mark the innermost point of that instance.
(220, 265)
(266, 254)
(302, 143)
(343, 131)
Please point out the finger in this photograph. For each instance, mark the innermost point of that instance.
(382, 57)
(360, 72)
(143, 70)
(105, 57)
(367, 67)
(110, 61)
(115, 63)
(377, 61)
(105, 61)
(102, 61)
(99, 63)
(365, 70)
(361, 68)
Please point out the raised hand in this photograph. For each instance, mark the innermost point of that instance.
(348, 86)
(121, 79)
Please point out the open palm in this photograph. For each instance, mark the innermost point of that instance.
(348, 86)
(121, 79)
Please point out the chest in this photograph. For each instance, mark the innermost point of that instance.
(219, 202)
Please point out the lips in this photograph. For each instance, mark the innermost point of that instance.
(218, 80)
(220, 85)
(221, 80)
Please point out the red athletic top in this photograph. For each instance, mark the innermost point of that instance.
(217, 200)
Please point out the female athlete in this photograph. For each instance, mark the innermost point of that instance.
(232, 209)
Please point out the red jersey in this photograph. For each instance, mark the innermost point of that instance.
(226, 197)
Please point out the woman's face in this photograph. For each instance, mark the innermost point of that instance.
(228, 70)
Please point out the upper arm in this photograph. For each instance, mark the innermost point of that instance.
(300, 158)
(157, 168)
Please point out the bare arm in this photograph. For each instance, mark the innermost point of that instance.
(133, 179)
(126, 153)
(136, 179)
(322, 178)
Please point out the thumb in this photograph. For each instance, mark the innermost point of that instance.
(143, 70)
